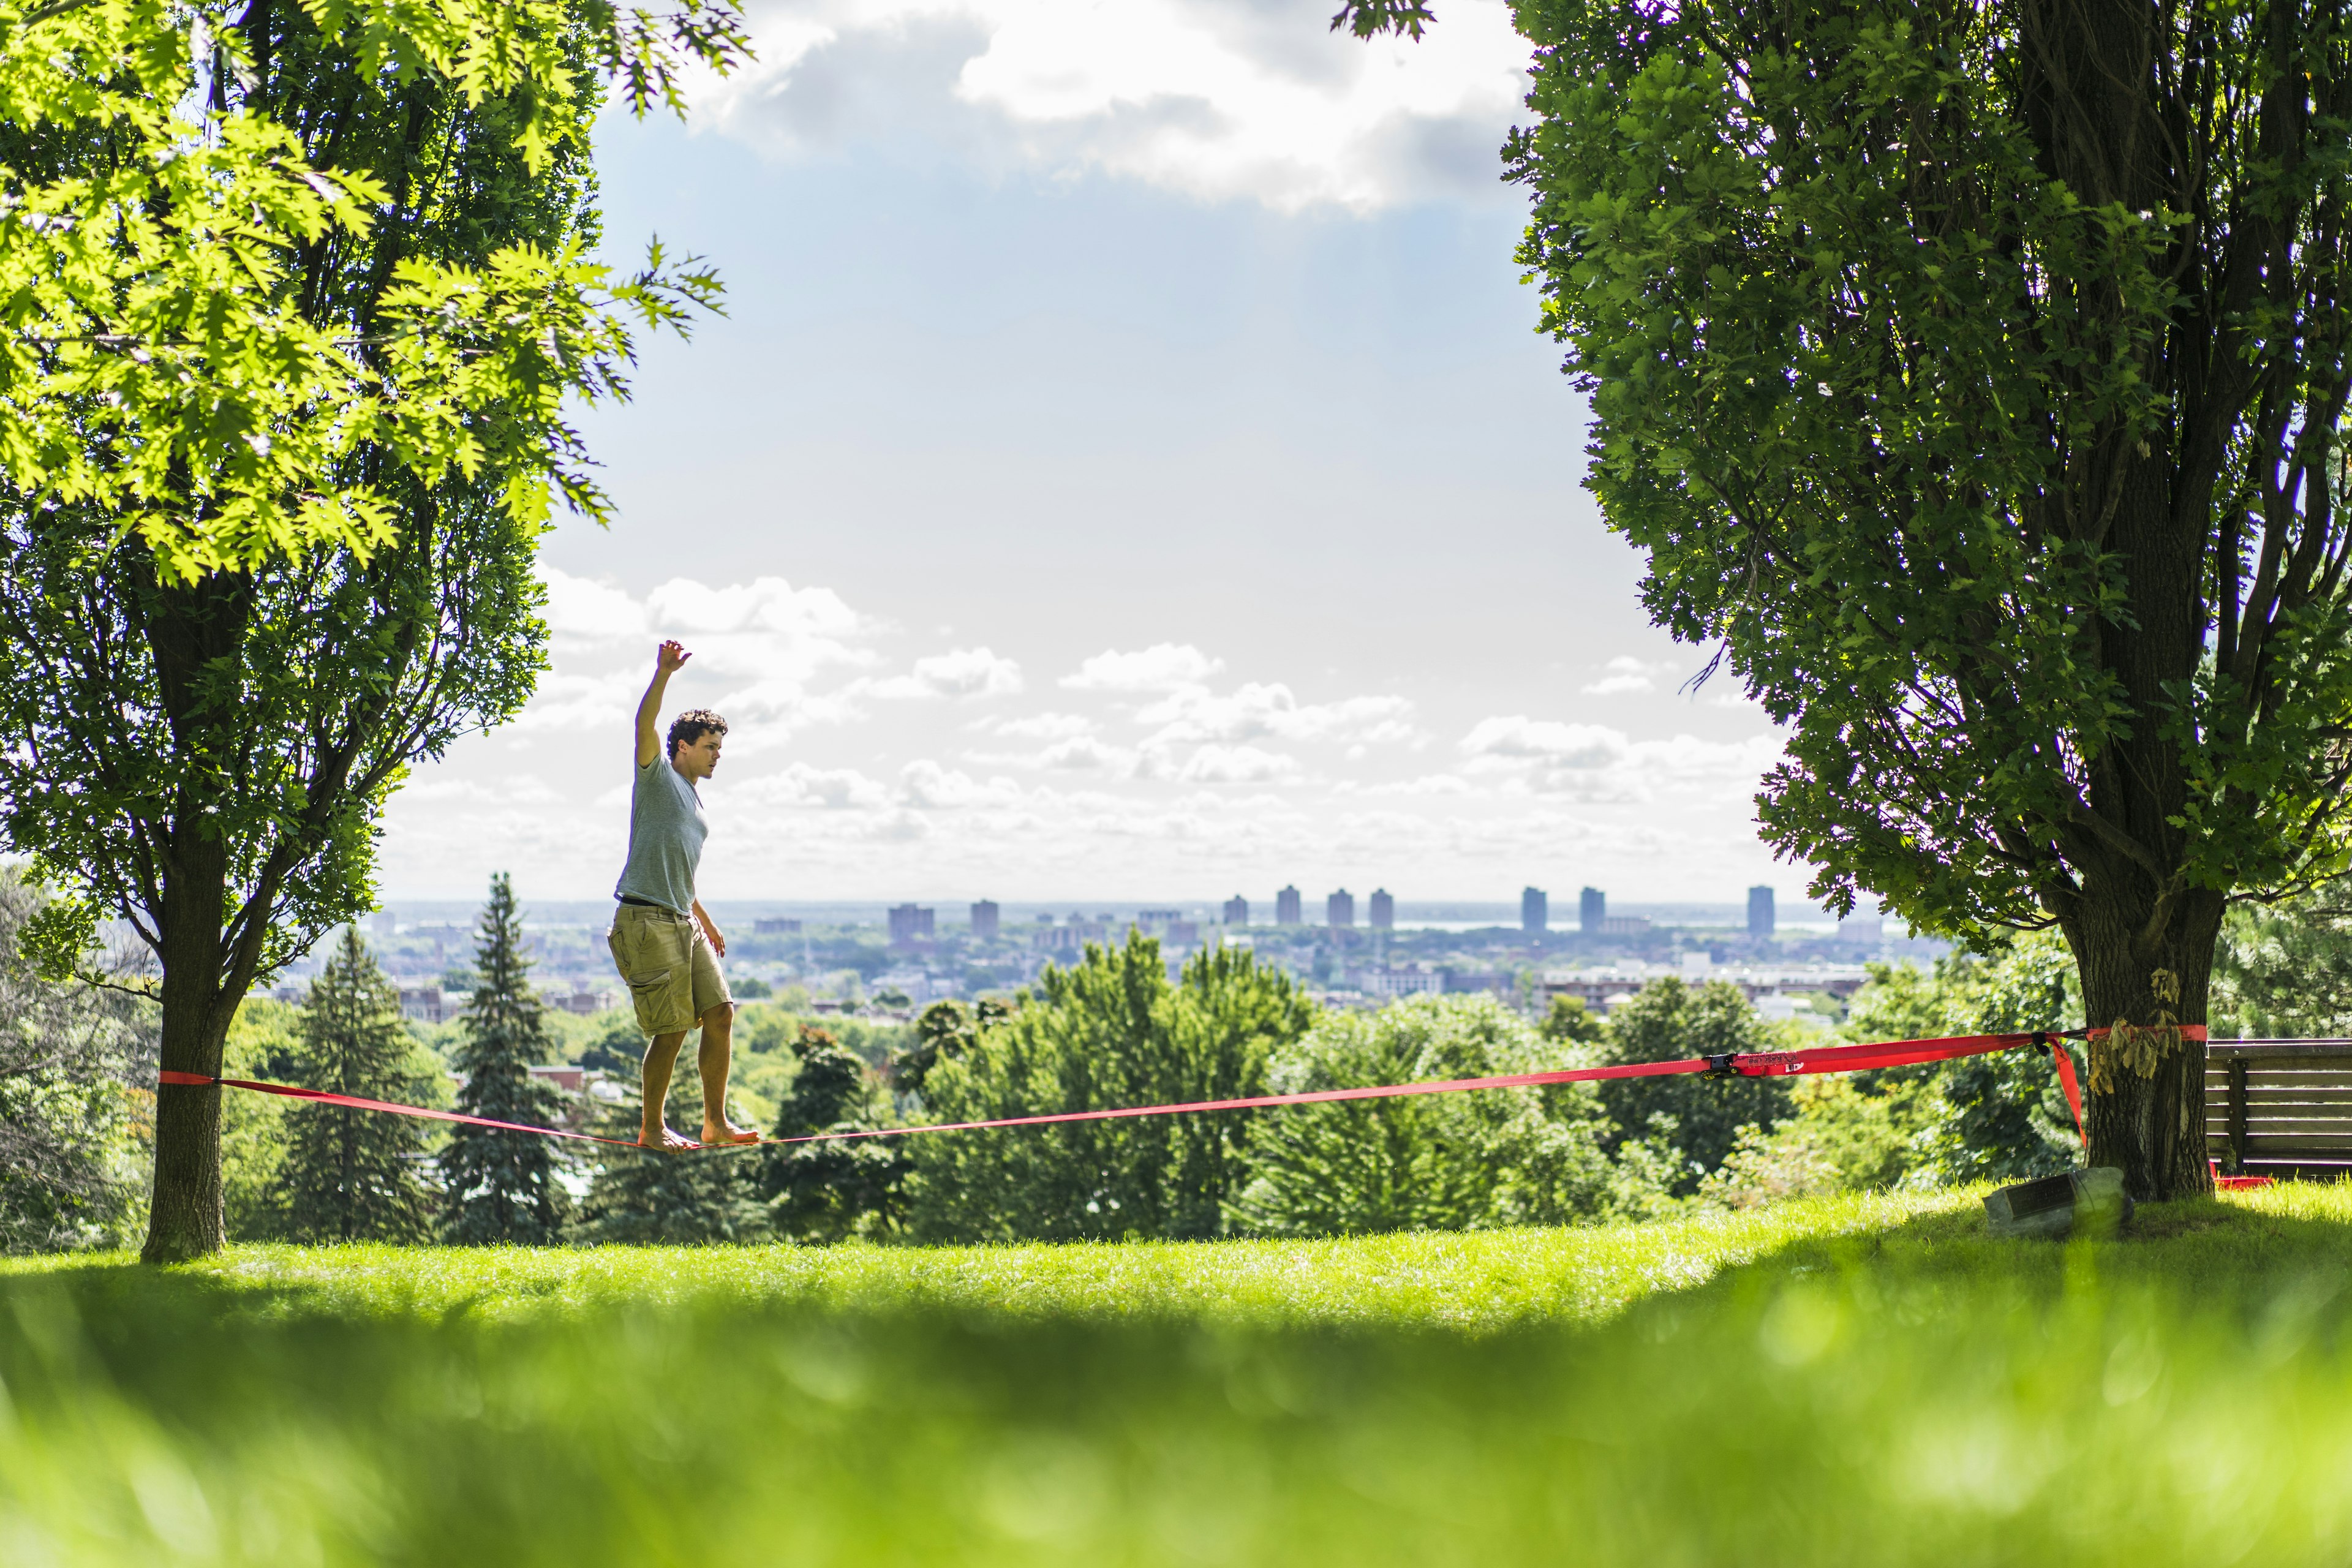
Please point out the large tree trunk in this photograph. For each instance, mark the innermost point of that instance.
(195, 633)
(2151, 1127)
(185, 1220)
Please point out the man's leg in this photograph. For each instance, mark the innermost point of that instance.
(661, 1057)
(715, 1058)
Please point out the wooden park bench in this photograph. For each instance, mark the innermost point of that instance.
(2279, 1106)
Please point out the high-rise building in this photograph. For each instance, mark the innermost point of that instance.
(1592, 910)
(1383, 911)
(909, 923)
(1339, 910)
(983, 921)
(1237, 910)
(1535, 910)
(1286, 911)
(1760, 911)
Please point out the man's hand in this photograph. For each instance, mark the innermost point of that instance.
(710, 929)
(669, 659)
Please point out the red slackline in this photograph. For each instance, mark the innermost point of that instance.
(1737, 1064)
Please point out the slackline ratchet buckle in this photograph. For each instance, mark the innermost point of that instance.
(1719, 1065)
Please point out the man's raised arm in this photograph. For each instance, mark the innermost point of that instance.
(667, 661)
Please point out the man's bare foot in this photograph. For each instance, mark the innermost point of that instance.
(726, 1132)
(669, 1143)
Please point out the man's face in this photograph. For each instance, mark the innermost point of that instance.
(698, 758)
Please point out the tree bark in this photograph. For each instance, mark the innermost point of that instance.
(184, 1219)
(2152, 1128)
(195, 634)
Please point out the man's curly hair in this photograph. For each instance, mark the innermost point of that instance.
(692, 726)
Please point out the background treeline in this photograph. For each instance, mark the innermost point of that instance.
(78, 1061)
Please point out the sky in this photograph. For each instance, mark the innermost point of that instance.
(1128, 465)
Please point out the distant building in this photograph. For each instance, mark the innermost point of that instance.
(983, 921)
(1237, 910)
(776, 926)
(1760, 911)
(584, 999)
(912, 983)
(1862, 925)
(1181, 934)
(1383, 911)
(910, 925)
(1624, 925)
(1339, 910)
(431, 1005)
(1081, 930)
(1592, 910)
(1286, 908)
(1397, 982)
(1534, 911)
(1151, 922)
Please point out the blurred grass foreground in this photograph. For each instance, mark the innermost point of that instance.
(1861, 1380)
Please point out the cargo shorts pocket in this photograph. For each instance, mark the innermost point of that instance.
(644, 950)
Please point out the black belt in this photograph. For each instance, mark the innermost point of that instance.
(645, 903)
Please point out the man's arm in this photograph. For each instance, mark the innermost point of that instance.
(710, 929)
(669, 659)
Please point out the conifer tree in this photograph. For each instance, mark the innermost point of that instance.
(503, 1186)
(354, 1176)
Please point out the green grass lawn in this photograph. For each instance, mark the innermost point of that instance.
(1869, 1381)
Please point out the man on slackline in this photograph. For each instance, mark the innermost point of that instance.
(663, 939)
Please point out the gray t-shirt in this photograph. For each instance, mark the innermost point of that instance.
(666, 833)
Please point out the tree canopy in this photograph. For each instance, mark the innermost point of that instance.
(1109, 1030)
(180, 179)
(1972, 376)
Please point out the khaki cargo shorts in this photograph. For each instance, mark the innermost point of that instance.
(673, 977)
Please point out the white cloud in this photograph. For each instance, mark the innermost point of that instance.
(1626, 676)
(1192, 713)
(1591, 763)
(1521, 739)
(924, 783)
(960, 672)
(1213, 98)
(1159, 667)
(579, 607)
(1046, 726)
(507, 789)
(801, 787)
(760, 652)
(1084, 753)
(1236, 764)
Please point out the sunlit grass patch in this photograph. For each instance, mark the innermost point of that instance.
(1868, 1381)
(1476, 1281)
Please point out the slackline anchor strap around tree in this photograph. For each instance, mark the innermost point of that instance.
(1728, 1064)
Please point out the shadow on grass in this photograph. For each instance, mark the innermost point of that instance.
(2231, 1259)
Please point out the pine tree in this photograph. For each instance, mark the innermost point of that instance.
(503, 1186)
(354, 1176)
(646, 1196)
